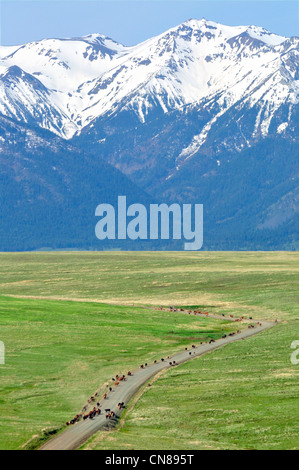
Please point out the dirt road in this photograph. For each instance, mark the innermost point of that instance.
(75, 436)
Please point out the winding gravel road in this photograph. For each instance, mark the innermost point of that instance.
(75, 436)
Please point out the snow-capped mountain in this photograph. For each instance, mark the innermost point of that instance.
(66, 85)
(203, 113)
(38, 80)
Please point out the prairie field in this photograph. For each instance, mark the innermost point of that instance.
(70, 321)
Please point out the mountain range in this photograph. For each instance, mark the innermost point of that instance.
(202, 113)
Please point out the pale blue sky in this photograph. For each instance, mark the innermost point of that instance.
(130, 22)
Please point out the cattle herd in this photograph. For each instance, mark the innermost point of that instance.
(94, 399)
(96, 411)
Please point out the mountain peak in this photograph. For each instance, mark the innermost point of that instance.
(228, 32)
(262, 34)
(102, 40)
(194, 22)
(202, 24)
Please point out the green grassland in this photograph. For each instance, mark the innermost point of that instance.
(242, 396)
(60, 353)
(265, 282)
